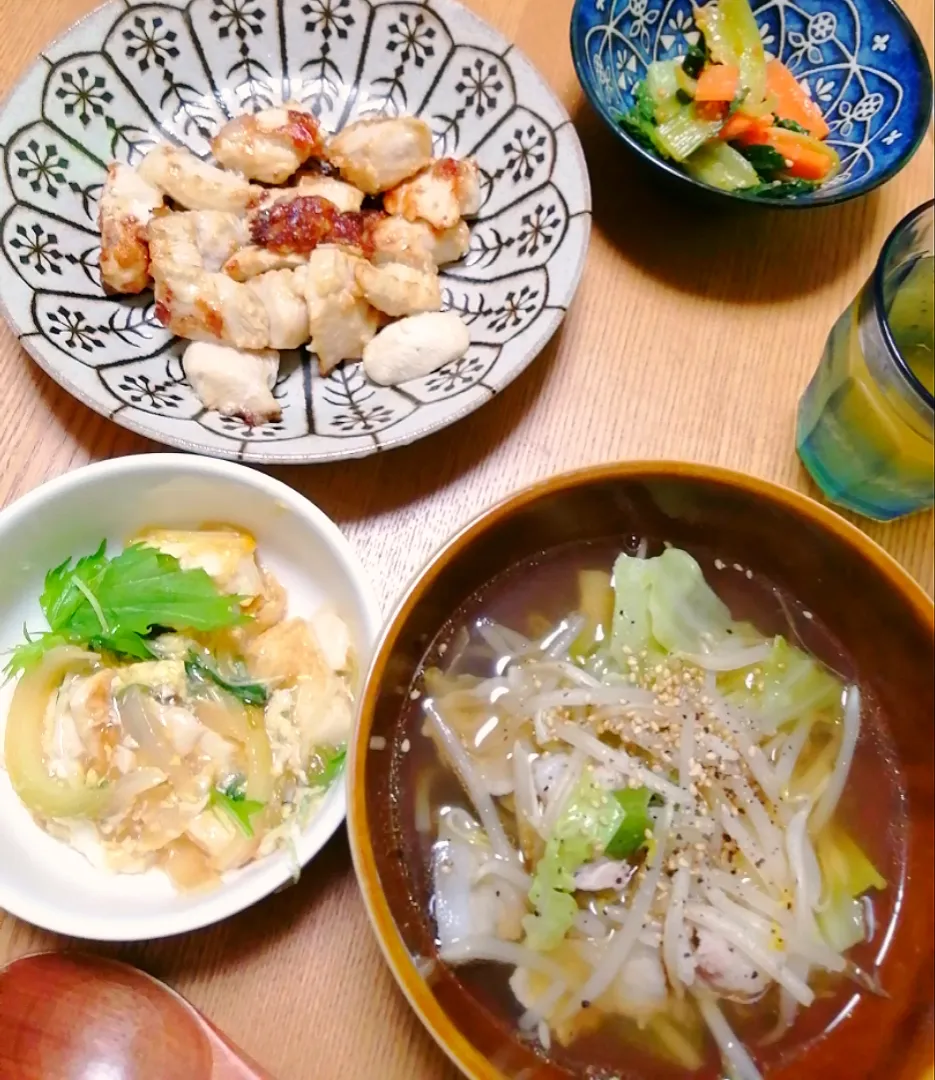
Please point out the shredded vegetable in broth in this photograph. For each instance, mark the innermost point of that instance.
(173, 715)
(635, 815)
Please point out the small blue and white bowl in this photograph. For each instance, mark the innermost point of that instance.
(861, 60)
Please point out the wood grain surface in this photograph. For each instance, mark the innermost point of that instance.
(692, 336)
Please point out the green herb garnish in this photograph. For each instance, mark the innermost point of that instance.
(631, 834)
(739, 98)
(694, 61)
(113, 604)
(232, 801)
(781, 189)
(767, 161)
(249, 693)
(329, 764)
(791, 125)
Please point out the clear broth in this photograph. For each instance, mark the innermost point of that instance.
(545, 588)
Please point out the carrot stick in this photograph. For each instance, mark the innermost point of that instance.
(710, 110)
(718, 82)
(803, 160)
(792, 102)
(743, 128)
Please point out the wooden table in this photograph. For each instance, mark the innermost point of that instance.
(688, 339)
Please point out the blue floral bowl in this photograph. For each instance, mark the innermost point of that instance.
(861, 60)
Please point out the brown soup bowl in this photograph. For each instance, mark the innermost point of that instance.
(875, 614)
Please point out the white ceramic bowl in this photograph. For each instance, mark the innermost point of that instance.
(43, 880)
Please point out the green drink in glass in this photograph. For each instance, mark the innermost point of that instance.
(866, 422)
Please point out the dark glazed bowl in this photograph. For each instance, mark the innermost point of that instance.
(878, 615)
(861, 60)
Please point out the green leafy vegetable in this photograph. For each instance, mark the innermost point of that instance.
(847, 874)
(767, 161)
(790, 686)
(687, 615)
(198, 670)
(328, 763)
(631, 833)
(115, 603)
(739, 98)
(587, 825)
(640, 119)
(632, 630)
(682, 134)
(694, 62)
(791, 125)
(719, 164)
(782, 189)
(122, 643)
(232, 802)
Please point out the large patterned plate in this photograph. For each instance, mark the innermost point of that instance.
(133, 73)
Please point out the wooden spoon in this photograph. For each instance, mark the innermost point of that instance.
(70, 1016)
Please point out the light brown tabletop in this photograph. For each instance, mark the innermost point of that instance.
(691, 337)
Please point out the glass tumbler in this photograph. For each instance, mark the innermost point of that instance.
(866, 422)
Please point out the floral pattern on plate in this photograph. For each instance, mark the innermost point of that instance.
(133, 74)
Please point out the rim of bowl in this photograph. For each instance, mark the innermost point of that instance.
(916, 48)
(417, 992)
(880, 311)
(277, 872)
(246, 455)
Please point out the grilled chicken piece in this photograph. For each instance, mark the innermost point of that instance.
(193, 242)
(212, 307)
(340, 319)
(126, 207)
(270, 145)
(193, 183)
(345, 197)
(251, 261)
(282, 293)
(417, 244)
(442, 194)
(193, 300)
(376, 155)
(397, 290)
(296, 225)
(234, 382)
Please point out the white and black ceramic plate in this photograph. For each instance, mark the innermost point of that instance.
(133, 73)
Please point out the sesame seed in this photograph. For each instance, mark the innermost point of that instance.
(405, 745)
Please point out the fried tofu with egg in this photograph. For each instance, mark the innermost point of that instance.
(269, 145)
(126, 207)
(285, 653)
(228, 556)
(441, 194)
(378, 154)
